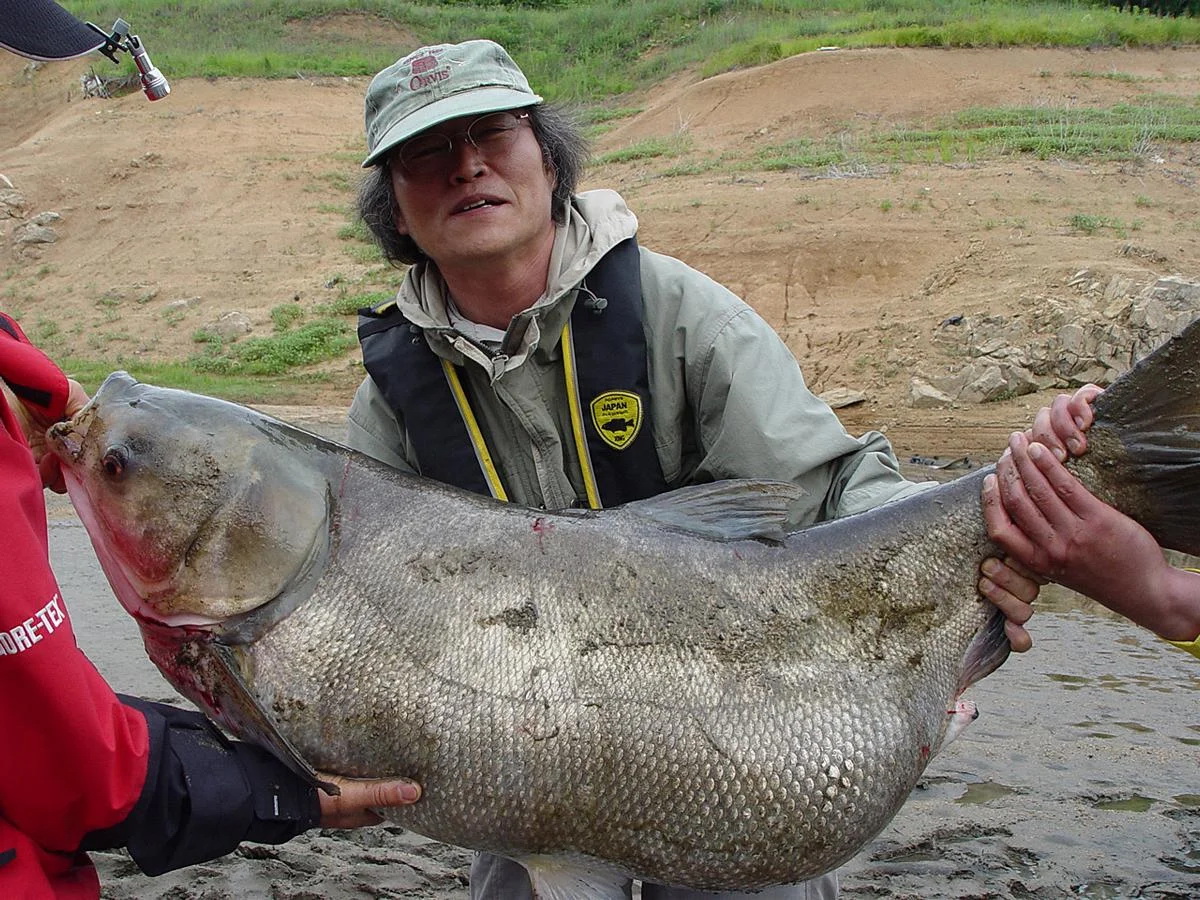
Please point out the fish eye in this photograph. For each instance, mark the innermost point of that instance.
(114, 462)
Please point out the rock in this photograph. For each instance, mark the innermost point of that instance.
(839, 398)
(923, 395)
(12, 203)
(989, 383)
(35, 234)
(46, 218)
(230, 326)
(181, 304)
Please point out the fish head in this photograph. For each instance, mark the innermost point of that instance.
(194, 518)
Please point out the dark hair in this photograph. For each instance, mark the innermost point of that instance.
(564, 148)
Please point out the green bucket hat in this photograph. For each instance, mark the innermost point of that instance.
(438, 83)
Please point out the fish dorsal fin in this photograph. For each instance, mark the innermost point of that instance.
(556, 879)
(733, 510)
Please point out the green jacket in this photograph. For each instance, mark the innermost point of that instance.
(727, 396)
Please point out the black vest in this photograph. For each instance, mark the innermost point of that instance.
(605, 349)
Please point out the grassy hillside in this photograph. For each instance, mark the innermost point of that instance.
(592, 54)
(581, 50)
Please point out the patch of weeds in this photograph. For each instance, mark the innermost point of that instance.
(1090, 224)
(885, 206)
(350, 304)
(1123, 77)
(598, 115)
(1143, 201)
(204, 336)
(285, 315)
(801, 153)
(355, 230)
(311, 343)
(45, 332)
(364, 253)
(650, 148)
(338, 180)
(98, 340)
(685, 169)
(386, 274)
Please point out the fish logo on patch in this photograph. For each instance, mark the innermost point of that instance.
(423, 64)
(617, 416)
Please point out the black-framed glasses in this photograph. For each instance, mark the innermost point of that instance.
(432, 152)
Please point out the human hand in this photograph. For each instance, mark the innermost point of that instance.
(360, 797)
(34, 424)
(1041, 515)
(1011, 588)
(1061, 425)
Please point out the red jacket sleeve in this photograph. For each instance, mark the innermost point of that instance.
(78, 753)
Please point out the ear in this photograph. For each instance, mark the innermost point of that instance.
(398, 220)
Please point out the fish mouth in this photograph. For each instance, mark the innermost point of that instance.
(66, 438)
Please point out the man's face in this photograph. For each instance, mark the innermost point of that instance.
(469, 204)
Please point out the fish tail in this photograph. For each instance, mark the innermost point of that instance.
(1144, 447)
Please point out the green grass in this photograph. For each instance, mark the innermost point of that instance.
(313, 342)
(592, 51)
(1118, 132)
(1092, 224)
(291, 387)
(650, 148)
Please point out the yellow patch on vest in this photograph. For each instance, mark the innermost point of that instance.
(618, 417)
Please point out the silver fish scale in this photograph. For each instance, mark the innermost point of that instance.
(579, 685)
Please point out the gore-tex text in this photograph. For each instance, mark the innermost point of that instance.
(33, 629)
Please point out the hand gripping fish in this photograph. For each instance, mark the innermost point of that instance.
(674, 690)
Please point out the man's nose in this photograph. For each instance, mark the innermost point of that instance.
(467, 159)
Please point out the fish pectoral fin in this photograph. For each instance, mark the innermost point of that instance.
(556, 879)
(252, 722)
(734, 510)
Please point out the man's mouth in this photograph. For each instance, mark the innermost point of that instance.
(476, 204)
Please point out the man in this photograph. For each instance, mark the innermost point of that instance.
(537, 353)
(81, 767)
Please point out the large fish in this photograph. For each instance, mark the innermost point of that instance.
(674, 690)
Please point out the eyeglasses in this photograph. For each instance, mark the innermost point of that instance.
(432, 153)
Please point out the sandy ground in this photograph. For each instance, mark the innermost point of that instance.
(1080, 777)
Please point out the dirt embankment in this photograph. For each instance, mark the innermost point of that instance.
(229, 195)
